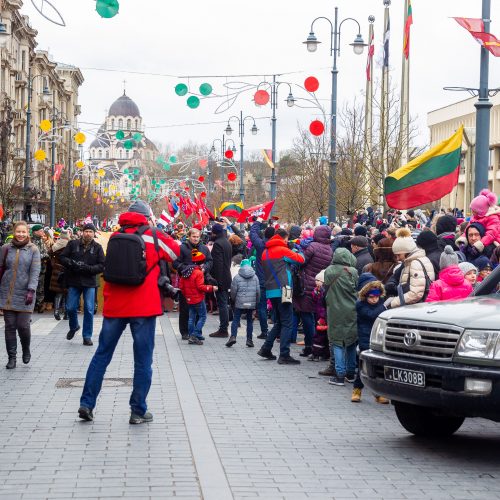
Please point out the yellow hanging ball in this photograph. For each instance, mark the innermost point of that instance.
(101, 172)
(105, 190)
(45, 125)
(122, 200)
(40, 155)
(111, 206)
(118, 194)
(96, 182)
(112, 187)
(77, 183)
(94, 195)
(80, 138)
(79, 164)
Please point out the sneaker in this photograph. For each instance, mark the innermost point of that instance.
(71, 333)
(85, 413)
(57, 316)
(250, 343)
(356, 396)
(350, 377)
(88, 341)
(138, 419)
(266, 354)
(288, 360)
(219, 335)
(381, 400)
(195, 340)
(185, 336)
(262, 336)
(231, 341)
(329, 371)
(336, 380)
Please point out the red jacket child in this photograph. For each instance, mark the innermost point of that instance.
(192, 281)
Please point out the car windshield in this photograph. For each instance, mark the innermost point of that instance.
(489, 285)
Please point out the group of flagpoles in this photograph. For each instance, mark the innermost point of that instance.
(368, 143)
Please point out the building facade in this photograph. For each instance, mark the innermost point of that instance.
(443, 122)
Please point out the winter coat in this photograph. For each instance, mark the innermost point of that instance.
(474, 256)
(341, 278)
(141, 301)
(434, 256)
(368, 313)
(318, 297)
(417, 281)
(192, 285)
(245, 289)
(57, 270)
(451, 285)
(276, 260)
(222, 254)
(491, 223)
(184, 258)
(384, 264)
(318, 256)
(21, 273)
(363, 258)
(446, 239)
(259, 244)
(93, 263)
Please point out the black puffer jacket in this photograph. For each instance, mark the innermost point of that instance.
(185, 258)
(222, 254)
(82, 265)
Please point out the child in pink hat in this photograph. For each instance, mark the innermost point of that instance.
(485, 211)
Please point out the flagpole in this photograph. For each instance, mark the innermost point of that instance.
(368, 143)
(404, 115)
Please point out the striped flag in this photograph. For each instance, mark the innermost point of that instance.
(406, 38)
(268, 156)
(387, 36)
(369, 60)
(166, 217)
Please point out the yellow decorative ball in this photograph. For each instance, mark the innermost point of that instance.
(77, 183)
(80, 138)
(79, 164)
(101, 172)
(45, 125)
(96, 182)
(40, 155)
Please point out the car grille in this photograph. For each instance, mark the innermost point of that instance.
(434, 340)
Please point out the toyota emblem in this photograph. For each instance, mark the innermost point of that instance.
(411, 338)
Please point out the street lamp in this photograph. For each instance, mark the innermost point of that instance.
(241, 129)
(358, 47)
(223, 144)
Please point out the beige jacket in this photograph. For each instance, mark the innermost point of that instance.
(417, 277)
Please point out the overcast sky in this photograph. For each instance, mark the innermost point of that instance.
(261, 37)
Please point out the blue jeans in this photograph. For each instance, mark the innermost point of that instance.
(282, 327)
(196, 326)
(345, 360)
(223, 305)
(72, 303)
(143, 333)
(238, 313)
(262, 311)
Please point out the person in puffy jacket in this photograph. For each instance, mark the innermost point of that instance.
(485, 211)
(451, 284)
(245, 292)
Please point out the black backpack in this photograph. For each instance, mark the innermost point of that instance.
(125, 262)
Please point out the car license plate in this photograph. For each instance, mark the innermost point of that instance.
(403, 376)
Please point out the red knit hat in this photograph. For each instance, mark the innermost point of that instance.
(197, 256)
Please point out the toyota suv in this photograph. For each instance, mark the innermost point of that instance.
(439, 362)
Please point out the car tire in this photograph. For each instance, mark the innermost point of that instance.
(426, 422)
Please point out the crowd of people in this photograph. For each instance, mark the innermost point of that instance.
(328, 281)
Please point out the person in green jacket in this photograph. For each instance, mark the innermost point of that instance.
(341, 278)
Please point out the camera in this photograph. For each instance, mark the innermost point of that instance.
(166, 289)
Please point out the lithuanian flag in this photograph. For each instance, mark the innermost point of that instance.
(428, 177)
(231, 209)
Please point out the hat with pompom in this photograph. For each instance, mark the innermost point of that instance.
(404, 243)
(481, 203)
(448, 258)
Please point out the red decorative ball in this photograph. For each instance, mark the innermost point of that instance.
(186, 188)
(261, 97)
(201, 178)
(203, 194)
(203, 163)
(231, 176)
(311, 84)
(316, 127)
(228, 154)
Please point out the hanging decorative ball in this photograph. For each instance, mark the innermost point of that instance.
(203, 194)
(122, 200)
(187, 188)
(162, 181)
(110, 206)
(203, 163)
(228, 154)
(311, 84)
(159, 160)
(136, 171)
(181, 89)
(173, 159)
(101, 172)
(137, 137)
(106, 190)
(107, 8)
(166, 166)
(316, 127)
(261, 97)
(40, 155)
(205, 89)
(79, 164)
(231, 176)
(193, 102)
(112, 187)
(201, 178)
(45, 125)
(77, 183)
(94, 195)
(120, 134)
(125, 171)
(128, 144)
(80, 138)
(96, 182)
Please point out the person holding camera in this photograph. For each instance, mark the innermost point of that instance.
(126, 303)
(83, 260)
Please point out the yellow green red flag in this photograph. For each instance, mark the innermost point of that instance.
(231, 209)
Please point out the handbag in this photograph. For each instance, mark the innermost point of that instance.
(3, 263)
(298, 282)
(286, 291)
(403, 288)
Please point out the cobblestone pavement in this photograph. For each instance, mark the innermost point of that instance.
(228, 425)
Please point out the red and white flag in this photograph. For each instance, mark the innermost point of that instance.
(263, 211)
(166, 218)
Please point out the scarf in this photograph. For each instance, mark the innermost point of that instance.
(20, 244)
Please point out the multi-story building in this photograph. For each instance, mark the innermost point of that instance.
(443, 122)
(25, 185)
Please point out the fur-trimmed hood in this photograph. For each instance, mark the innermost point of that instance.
(372, 285)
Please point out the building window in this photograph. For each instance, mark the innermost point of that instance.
(126, 153)
(23, 60)
(112, 123)
(120, 123)
(137, 124)
(100, 153)
(107, 154)
(121, 154)
(492, 159)
(129, 124)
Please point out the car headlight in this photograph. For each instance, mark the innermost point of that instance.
(479, 344)
(377, 335)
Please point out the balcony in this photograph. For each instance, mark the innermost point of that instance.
(19, 154)
(19, 117)
(21, 79)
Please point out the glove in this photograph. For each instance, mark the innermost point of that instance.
(474, 252)
(29, 297)
(387, 303)
(479, 245)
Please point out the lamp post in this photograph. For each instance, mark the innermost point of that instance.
(358, 46)
(223, 144)
(241, 129)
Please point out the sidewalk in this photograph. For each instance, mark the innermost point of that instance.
(227, 424)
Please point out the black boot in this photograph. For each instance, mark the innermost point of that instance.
(306, 351)
(11, 345)
(57, 306)
(25, 338)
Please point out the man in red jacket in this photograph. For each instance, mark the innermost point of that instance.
(138, 307)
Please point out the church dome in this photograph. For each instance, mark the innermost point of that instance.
(124, 106)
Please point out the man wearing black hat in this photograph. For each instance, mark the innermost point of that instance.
(83, 260)
(359, 248)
